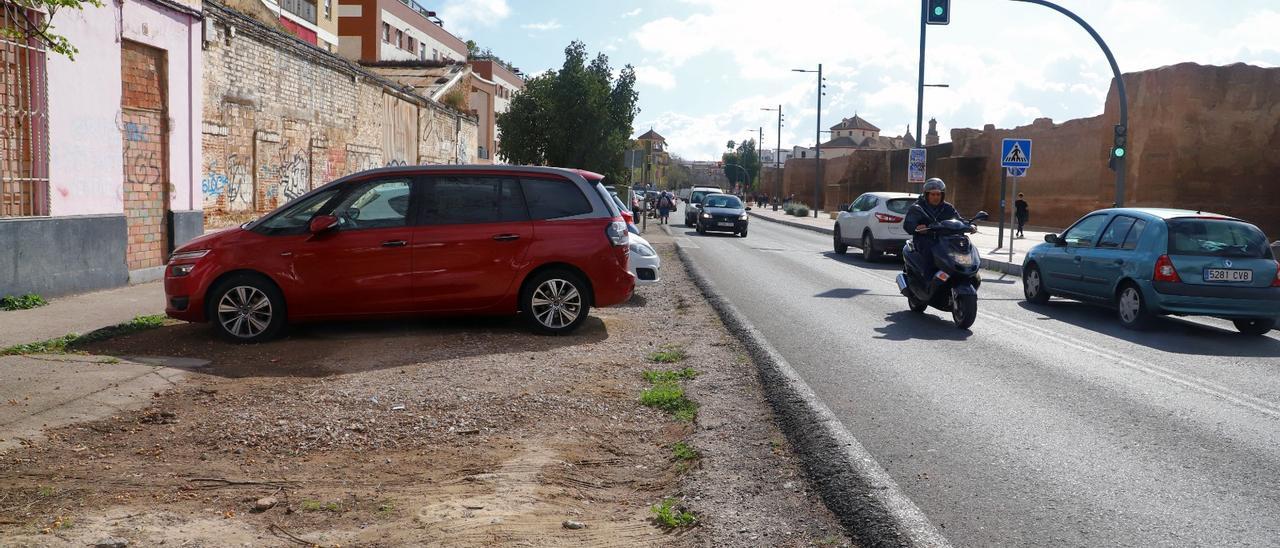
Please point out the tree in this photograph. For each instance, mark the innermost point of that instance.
(471, 48)
(579, 116)
(31, 24)
(678, 173)
(729, 145)
(746, 156)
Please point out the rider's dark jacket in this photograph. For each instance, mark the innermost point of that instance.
(921, 213)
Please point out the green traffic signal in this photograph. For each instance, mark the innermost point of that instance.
(1119, 152)
(938, 11)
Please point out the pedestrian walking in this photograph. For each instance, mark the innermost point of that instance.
(1021, 213)
(666, 202)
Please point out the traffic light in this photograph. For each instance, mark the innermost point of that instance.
(939, 12)
(1119, 147)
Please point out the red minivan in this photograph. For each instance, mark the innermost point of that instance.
(545, 243)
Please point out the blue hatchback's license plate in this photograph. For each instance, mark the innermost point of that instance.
(726, 224)
(1225, 275)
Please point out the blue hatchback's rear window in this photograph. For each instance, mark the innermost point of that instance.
(1217, 238)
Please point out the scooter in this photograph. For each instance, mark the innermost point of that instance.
(954, 287)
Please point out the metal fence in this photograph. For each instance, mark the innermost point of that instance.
(24, 119)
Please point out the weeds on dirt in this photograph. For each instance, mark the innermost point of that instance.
(66, 343)
(669, 353)
(682, 451)
(46, 491)
(22, 302)
(671, 516)
(656, 376)
(668, 396)
(311, 505)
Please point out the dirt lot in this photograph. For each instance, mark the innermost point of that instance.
(455, 433)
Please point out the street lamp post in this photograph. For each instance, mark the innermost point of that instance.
(777, 158)
(817, 145)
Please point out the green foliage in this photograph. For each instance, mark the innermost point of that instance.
(63, 344)
(579, 117)
(682, 451)
(745, 155)
(317, 506)
(23, 302)
(41, 28)
(669, 396)
(52, 346)
(669, 353)
(655, 376)
(796, 209)
(669, 515)
(456, 98)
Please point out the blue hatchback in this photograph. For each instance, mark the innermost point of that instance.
(1147, 262)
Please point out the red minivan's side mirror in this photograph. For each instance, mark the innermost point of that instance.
(322, 223)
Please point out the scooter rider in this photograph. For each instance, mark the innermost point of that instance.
(931, 207)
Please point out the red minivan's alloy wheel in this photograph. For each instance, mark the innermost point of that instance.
(247, 309)
(555, 302)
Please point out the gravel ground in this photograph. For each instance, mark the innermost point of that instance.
(450, 432)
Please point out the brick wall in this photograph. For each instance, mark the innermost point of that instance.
(146, 177)
(1201, 137)
(282, 117)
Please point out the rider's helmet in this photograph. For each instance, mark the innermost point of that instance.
(934, 184)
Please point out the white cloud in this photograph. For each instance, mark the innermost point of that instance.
(632, 13)
(1007, 63)
(460, 16)
(656, 77)
(540, 27)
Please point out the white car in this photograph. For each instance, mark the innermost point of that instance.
(873, 223)
(644, 261)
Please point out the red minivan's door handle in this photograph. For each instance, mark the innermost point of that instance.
(506, 237)
(394, 243)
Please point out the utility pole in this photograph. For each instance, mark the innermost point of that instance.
(924, 18)
(817, 145)
(777, 158)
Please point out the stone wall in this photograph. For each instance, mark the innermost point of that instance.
(1201, 137)
(282, 117)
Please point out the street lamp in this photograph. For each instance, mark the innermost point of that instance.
(937, 85)
(777, 158)
(817, 145)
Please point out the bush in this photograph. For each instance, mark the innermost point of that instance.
(24, 302)
(798, 210)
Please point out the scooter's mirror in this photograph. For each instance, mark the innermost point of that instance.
(981, 216)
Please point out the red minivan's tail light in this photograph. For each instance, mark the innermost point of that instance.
(617, 233)
(886, 218)
(1275, 282)
(1165, 272)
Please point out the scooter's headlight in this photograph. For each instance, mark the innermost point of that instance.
(962, 259)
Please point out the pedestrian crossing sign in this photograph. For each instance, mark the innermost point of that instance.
(1015, 153)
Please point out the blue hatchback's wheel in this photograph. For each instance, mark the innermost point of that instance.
(1132, 308)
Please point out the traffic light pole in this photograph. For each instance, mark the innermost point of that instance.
(924, 16)
(1117, 160)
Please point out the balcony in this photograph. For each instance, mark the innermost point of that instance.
(304, 9)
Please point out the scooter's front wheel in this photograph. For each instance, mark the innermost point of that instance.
(964, 309)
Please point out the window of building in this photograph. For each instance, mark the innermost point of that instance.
(24, 122)
(399, 39)
(435, 54)
(413, 45)
(422, 52)
(386, 33)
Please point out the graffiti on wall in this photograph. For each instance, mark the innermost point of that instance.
(295, 176)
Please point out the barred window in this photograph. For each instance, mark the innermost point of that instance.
(24, 122)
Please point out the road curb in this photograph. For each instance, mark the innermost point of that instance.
(854, 487)
(1003, 267)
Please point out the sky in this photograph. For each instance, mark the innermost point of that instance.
(705, 68)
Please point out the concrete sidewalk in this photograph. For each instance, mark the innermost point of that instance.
(40, 392)
(994, 257)
(81, 313)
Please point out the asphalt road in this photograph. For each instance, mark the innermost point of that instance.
(1042, 425)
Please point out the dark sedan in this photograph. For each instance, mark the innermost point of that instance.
(722, 213)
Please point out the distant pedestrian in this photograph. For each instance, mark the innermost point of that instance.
(1021, 213)
(666, 202)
